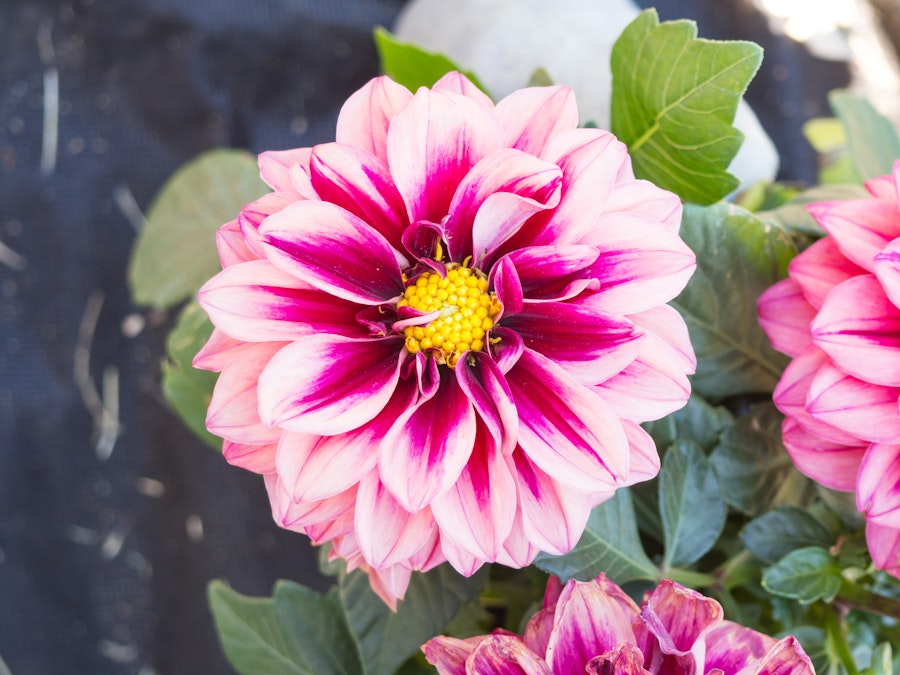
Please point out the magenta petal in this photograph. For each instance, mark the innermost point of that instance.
(335, 251)
(425, 451)
(483, 383)
(565, 428)
(887, 269)
(859, 328)
(360, 183)
(785, 316)
(679, 617)
(328, 384)
(533, 116)
(477, 512)
(505, 655)
(820, 268)
(551, 272)
(884, 546)
(387, 533)
(878, 485)
(257, 302)
(554, 517)
(504, 279)
(625, 659)
(860, 227)
(731, 647)
(365, 117)
(433, 143)
(590, 345)
(833, 465)
(449, 654)
(786, 658)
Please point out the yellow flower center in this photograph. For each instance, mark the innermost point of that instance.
(467, 312)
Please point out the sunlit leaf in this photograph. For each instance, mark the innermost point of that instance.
(674, 98)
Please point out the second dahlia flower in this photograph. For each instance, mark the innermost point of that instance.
(594, 627)
(838, 316)
(438, 335)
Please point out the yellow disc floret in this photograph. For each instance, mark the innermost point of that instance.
(467, 312)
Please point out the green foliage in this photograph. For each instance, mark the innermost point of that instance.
(872, 141)
(674, 98)
(776, 533)
(738, 257)
(793, 215)
(805, 574)
(175, 252)
(412, 66)
(698, 421)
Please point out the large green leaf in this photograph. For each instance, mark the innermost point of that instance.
(693, 511)
(697, 421)
(386, 638)
(775, 534)
(610, 544)
(674, 98)
(296, 632)
(187, 389)
(806, 574)
(738, 257)
(754, 469)
(872, 140)
(176, 250)
(412, 66)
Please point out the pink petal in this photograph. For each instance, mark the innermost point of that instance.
(679, 617)
(859, 328)
(257, 302)
(458, 83)
(887, 269)
(365, 117)
(731, 647)
(275, 168)
(832, 465)
(535, 184)
(625, 659)
(505, 655)
(360, 183)
(590, 345)
(884, 546)
(565, 428)
(477, 512)
(449, 654)
(231, 245)
(218, 351)
(390, 583)
(665, 323)
(255, 458)
(387, 533)
(786, 658)
(553, 516)
(504, 279)
(518, 551)
(253, 215)
(866, 411)
(540, 628)
(334, 251)
(860, 227)
(820, 268)
(297, 516)
(884, 187)
(878, 485)
(785, 316)
(482, 381)
(328, 384)
(433, 143)
(645, 198)
(533, 116)
(425, 451)
(460, 559)
(643, 454)
(553, 272)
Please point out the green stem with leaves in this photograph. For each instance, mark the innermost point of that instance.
(856, 597)
(837, 639)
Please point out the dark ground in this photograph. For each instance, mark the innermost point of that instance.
(104, 556)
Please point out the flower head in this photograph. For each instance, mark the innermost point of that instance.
(594, 627)
(838, 316)
(438, 335)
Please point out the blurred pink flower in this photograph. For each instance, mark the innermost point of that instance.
(838, 316)
(594, 627)
(438, 335)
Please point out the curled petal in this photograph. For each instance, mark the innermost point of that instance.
(365, 117)
(860, 227)
(665, 325)
(731, 647)
(506, 655)
(833, 465)
(504, 279)
(506, 347)
(483, 383)
(820, 268)
(785, 316)
(679, 617)
(328, 384)
(786, 658)
(625, 659)
(878, 485)
(449, 654)
(277, 169)
(533, 116)
(298, 516)
(390, 583)
(231, 245)
(887, 269)
(553, 272)
(643, 453)
(335, 251)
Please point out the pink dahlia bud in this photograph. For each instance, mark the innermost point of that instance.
(595, 627)
(838, 315)
(439, 334)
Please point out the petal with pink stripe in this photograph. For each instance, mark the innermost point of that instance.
(887, 269)
(531, 117)
(483, 383)
(820, 268)
(833, 465)
(365, 117)
(860, 227)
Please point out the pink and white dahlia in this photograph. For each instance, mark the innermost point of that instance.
(838, 316)
(594, 627)
(438, 335)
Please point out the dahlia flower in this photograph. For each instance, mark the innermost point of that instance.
(838, 316)
(438, 335)
(594, 627)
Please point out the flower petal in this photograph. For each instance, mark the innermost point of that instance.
(786, 658)
(643, 453)
(884, 546)
(625, 659)
(679, 617)
(365, 117)
(505, 655)
(731, 647)
(328, 384)
(424, 452)
(297, 516)
(504, 279)
(448, 654)
(335, 251)
(533, 116)
(820, 268)
(553, 272)
(482, 381)
(833, 465)
(878, 485)
(231, 245)
(859, 328)
(887, 269)
(785, 315)
(255, 458)
(860, 227)
(646, 199)
(218, 351)
(566, 429)
(458, 83)
(276, 169)
(257, 302)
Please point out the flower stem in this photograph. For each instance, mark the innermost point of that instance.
(837, 639)
(857, 597)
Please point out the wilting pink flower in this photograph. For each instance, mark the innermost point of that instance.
(438, 335)
(838, 315)
(594, 627)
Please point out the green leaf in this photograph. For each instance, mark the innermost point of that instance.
(882, 661)
(806, 574)
(775, 534)
(754, 469)
(674, 98)
(388, 639)
(296, 632)
(872, 141)
(738, 257)
(697, 421)
(693, 511)
(175, 252)
(610, 544)
(412, 66)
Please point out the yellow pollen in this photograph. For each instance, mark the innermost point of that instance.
(467, 312)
